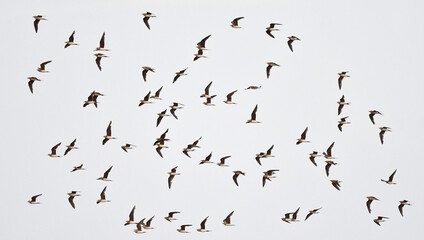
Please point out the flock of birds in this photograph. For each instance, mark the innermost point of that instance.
(160, 142)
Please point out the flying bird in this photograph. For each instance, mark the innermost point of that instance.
(139, 227)
(327, 154)
(302, 137)
(369, 201)
(53, 151)
(287, 217)
(183, 227)
(99, 57)
(268, 68)
(76, 168)
(127, 146)
(105, 175)
(37, 18)
(147, 16)
(390, 181)
(108, 135)
(190, 147)
(198, 55)
(145, 70)
(327, 167)
(70, 40)
(228, 101)
(342, 122)
(253, 116)
(70, 147)
(42, 67)
(380, 219)
(72, 195)
(258, 157)
(34, 199)
(253, 87)
(342, 75)
(268, 175)
(201, 44)
(207, 159)
(145, 99)
(268, 152)
(31, 82)
(372, 114)
(234, 23)
(170, 216)
(92, 99)
(291, 40)
(272, 28)
(159, 146)
(157, 93)
(101, 46)
(227, 220)
(148, 224)
(312, 157)
(336, 184)
(209, 101)
(103, 196)
(382, 131)
(403, 203)
(203, 226)
(222, 161)
(311, 212)
(161, 115)
(341, 103)
(206, 94)
(179, 74)
(130, 217)
(174, 108)
(235, 176)
(172, 174)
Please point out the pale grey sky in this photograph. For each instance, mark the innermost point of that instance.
(378, 42)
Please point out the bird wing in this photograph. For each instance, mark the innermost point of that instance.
(269, 33)
(400, 207)
(109, 129)
(303, 136)
(391, 176)
(107, 172)
(159, 152)
(327, 169)
(170, 181)
(381, 136)
(30, 82)
(173, 113)
(307, 216)
(158, 120)
(253, 115)
(98, 63)
(71, 201)
(207, 88)
(158, 92)
(339, 110)
(268, 69)
(235, 176)
(102, 194)
(102, 41)
(290, 44)
(329, 149)
(371, 115)
(144, 73)
(36, 21)
(340, 82)
(369, 205)
(258, 159)
(203, 223)
(146, 21)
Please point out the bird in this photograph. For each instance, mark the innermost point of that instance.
(139, 227)
(170, 216)
(206, 94)
(268, 68)
(336, 184)
(31, 82)
(42, 67)
(382, 131)
(92, 99)
(286, 217)
(372, 113)
(105, 175)
(147, 16)
(272, 28)
(369, 201)
(108, 135)
(34, 199)
(341, 103)
(294, 215)
(101, 46)
(179, 74)
(201, 44)
(228, 101)
(161, 115)
(302, 137)
(70, 147)
(341, 76)
(145, 99)
(130, 217)
(222, 161)
(268, 152)
(190, 147)
(157, 93)
(390, 181)
(253, 87)
(227, 220)
(327, 167)
(253, 116)
(145, 70)
(403, 203)
(198, 55)
(172, 174)
(183, 227)
(203, 226)
(102, 196)
(290, 41)
(268, 175)
(70, 40)
(99, 57)
(37, 18)
(380, 219)
(209, 101)
(312, 157)
(207, 159)
(127, 146)
(53, 151)
(162, 138)
(327, 154)
(258, 157)
(174, 108)
(311, 212)
(234, 23)
(159, 147)
(342, 122)
(72, 195)
(235, 176)
(76, 168)
(148, 224)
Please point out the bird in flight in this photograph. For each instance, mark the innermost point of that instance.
(206, 94)
(108, 135)
(336, 184)
(92, 99)
(179, 74)
(390, 180)
(190, 147)
(234, 23)
(148, 223)
(70, 40)
(402, 204)
(160, 116)
(42, 67)
(99, 57)
(105, 175)
(380, 219)
(70, 147)
(183, 227)
(209, 101)
(291, 40)
(229, 101)
(227, 220)
(342, 122)
(327, 154)
(53, 151)
(221, 162)
(198, 55)
(170, 216)
(203, 226)
(268, 68)
(302, 137)
(342, 75)
(145, 99)
(172, 174)
(372, 114)
(72, 195)
(312, 157)
(145, 70)
(139, 226)
(157, 94)
(101, 46)
(327, 167)
(38, 18)
(268, 175)
(235, 176)
(341, 103)
(31, 82)
(207, 159)
(127, 146)
(253, 87)
(147, 16)
(272, 28)
(102, 196)
(369, 201)
(130, 217)
(202, 44)
(311, 212)
(253, 116)
(77, 168)
(382, 131)
(174, 108)
(33, 199)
